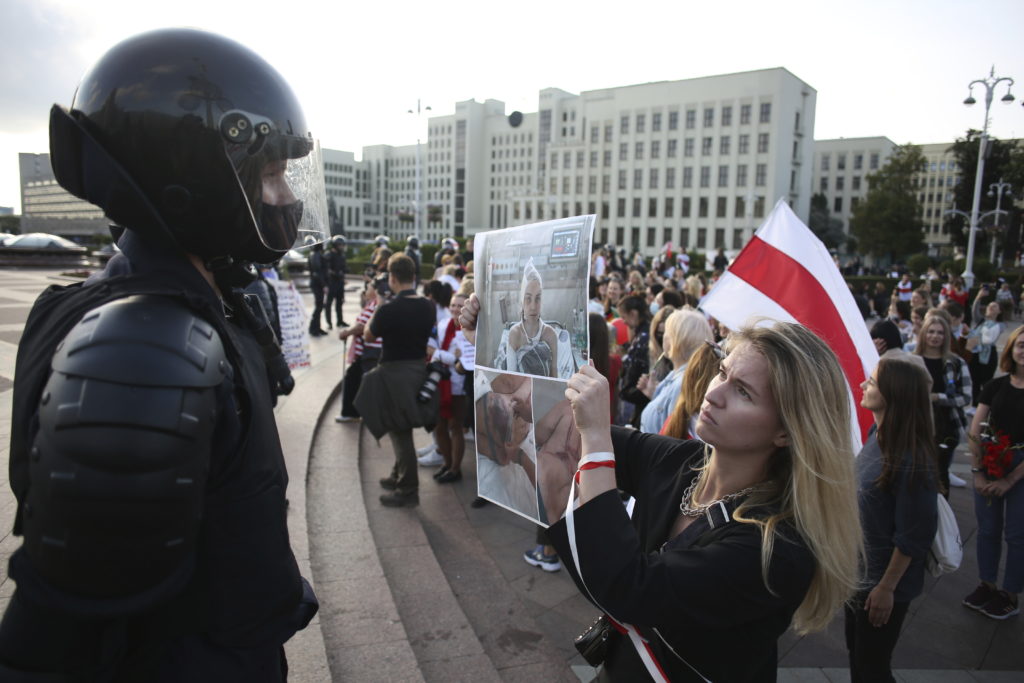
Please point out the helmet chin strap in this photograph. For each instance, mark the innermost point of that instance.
(230, 274)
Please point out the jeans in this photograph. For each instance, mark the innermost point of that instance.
(998, 517)
(317, 288)
(871, 648)
(405, 471)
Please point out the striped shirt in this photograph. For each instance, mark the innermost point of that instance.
(364, 319)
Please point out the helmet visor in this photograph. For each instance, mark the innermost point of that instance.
(282, 177)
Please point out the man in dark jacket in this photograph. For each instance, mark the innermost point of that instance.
(337, 267)
(317, 283)
(144, 454)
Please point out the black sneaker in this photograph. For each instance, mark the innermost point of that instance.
(1000, 607)
(389, 483)
(980, 597)
(397, 500)
(449, 477)
(440, 470)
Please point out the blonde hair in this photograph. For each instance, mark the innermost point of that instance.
(811, 481)
(686, 329)
(654, 349)
(701, 368)
(929, 320)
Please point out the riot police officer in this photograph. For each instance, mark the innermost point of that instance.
(412, 250)
(317, 266)
(144, 455)
(337, 266)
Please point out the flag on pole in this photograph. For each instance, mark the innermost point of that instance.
(785, 273)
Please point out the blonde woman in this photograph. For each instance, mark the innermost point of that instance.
(533, 343)
(660, 365)
(731, 543)
(684, 331)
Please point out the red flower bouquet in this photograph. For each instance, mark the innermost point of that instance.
(997, 455)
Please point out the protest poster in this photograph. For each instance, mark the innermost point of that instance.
(294, 323)
(532, 335)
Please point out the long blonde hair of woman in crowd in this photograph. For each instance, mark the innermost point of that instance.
(814, 483)
(700, 370)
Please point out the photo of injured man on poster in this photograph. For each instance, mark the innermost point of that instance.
(532, 282)
(531, 336)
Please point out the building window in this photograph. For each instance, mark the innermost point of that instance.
(655, 149)
(639, 151)
(723, 176)
(688, 177)
(837, 206)
(691, 118)
(744, 114)
(702, 238)
(686, 207)
(741, 175)
(638, 178)
(766, 112)
(641, 123)
(655, 122)
(705, 176)
(673, 145)
(723, 144)
(595, 131)
(592, 185)
(636, 207)
(604, 214)
(652, 212)
(623, 151)
(826, 162)
(744, 144)
(554, 161)
(705, 146)
(620, 234)
(579, 185)
(624, 125)
(669, 210)
(606, 159)
(709, 117)
(622, 179)
(673, 120)
(720, 207)
(567, 160)
(653, 179)
(759, 207)
(761, 175)
(840, 162)
(702, 207)
(741, 207)
(608, 133)
(719, 238)
(727, 116)
(684, 237)
(565, 185)
(593, 159)
(620, 208)
(688, 147)
(670, 178)
(858, 162)
(606, 183)
(873, 163)
(856, 182)
(762, 143)
(651, 235)
(840, 183)
(579, 158)
(824, 185)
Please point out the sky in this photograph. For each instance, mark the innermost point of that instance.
(898, 68)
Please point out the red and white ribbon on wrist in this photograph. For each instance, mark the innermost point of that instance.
(593, 461)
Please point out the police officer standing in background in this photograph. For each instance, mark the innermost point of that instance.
(144, 455)
(337, 267)
(317, 284)
(412, 250)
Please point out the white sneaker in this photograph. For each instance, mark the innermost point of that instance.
(956, 481)
(470, 435)
(426, 450)
(430, 460)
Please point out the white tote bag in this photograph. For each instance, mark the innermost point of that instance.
(947, 548)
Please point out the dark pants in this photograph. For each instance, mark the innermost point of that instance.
(335, 296)
(350, 385)
(317, 288)
(981, 373)
(405, 472)
(871, 648)
(945, 447)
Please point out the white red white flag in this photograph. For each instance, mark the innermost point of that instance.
(786, 273)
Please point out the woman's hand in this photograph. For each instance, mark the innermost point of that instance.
(647, 385)
(879, 606)
(467, 320)
(587, 392)
(998, 488)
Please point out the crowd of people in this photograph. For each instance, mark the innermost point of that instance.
(692, 411)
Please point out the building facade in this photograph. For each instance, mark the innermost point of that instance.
(841, 168)
(935, 184)
(48, 207)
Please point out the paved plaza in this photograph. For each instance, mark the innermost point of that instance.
(441, 593)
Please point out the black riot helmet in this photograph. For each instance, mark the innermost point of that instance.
(413, 241)
(195, 142)
(338, 241)
(381, 240)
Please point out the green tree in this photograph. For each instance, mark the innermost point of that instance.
(11, 224)
(888, 221)
(828, 229)
(1003, 160)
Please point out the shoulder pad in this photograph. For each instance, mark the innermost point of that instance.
(144, 340)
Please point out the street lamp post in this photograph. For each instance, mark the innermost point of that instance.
(997, 190)
(989, 84)
(418, 209)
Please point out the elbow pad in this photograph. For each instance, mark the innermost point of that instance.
(119, 463)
